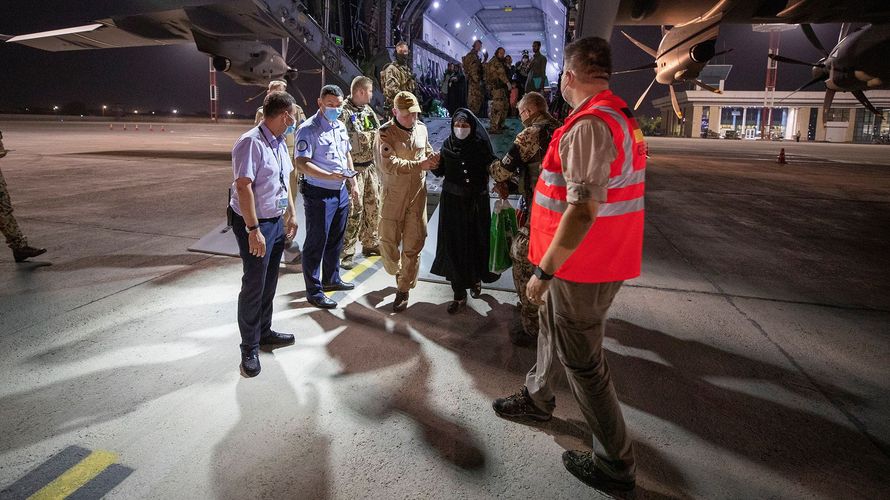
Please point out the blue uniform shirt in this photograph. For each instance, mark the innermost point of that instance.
(326, 144)
(262, 158)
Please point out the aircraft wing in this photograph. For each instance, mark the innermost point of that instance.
(158, 28)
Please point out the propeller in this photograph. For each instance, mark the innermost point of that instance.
(707, 87)
(814, 40)
(860, 96)
(651, 65)
(640, 100)
(645, 48)
(778, 58)
(674, 102)
(826, 104)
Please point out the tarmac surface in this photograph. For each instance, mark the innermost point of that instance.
(751, 357)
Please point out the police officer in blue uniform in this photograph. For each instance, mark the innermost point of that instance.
(324, 160)
(263, 217)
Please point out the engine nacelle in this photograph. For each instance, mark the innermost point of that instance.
(247, 62)
(685, 50)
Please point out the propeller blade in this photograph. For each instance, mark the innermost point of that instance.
(284, 43)
(811, 36)
(640, 100)
(778, 58)
(311, 71)
(641, 45)
(860, 96)
(845, 30)
(674, 102)
(707, 87)
(262, 92)
(826, 104)
(722, 52)
(651, 65)
(809, 83)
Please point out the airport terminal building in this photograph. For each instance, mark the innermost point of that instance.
(743, 112)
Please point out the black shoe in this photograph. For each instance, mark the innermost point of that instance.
(370, 252)
(347, 263)
(337, 286)
(322, 302)
(582, 466)
(476, 291)
(457, 305)
(250, 364)
(519, 406)
(276, 338)
(401, 302)
(25, 253)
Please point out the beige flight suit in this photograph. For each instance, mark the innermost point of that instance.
(499, 87)
(364, 218)
(473, 69)
(293, 182)
(403, 211)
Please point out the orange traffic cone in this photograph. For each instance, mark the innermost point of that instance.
(781, 158)
(137, 127)
(125, 127)
(162, 128)
(110, 126)
(150, 129)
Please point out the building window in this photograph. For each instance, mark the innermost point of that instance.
(838, 115)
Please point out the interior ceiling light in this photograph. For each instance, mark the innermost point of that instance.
(457, 25)
(435, 5)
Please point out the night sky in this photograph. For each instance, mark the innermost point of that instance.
(164, 78)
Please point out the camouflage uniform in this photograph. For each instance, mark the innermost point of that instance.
(362, 124)
(8, 226)
(499, 87)
(473, 69)
(522, 164)
(395, 78)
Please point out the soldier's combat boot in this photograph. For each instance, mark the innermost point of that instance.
(26, 252)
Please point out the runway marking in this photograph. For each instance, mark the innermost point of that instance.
(74, 473)
(364, 269)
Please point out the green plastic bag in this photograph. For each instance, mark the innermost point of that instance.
(503, 228)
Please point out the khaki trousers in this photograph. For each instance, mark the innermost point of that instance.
(572, 325)
(403, 223)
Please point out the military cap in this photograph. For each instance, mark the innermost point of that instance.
(406, 100)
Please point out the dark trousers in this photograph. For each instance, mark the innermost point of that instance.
(259, 281)
(327, 211)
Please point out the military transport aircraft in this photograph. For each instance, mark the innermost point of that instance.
(350, 38)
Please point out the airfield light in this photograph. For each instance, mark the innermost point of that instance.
(229, 112)
(175, 111)
(55, 108)
(135, 111)
(457, 25)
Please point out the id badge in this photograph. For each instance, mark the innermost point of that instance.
(282, 203)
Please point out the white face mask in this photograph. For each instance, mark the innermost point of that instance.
(461, 132)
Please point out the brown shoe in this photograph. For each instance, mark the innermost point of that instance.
(401, 302)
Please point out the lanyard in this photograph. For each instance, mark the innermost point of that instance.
(277, 154)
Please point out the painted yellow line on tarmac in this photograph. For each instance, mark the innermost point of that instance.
(75, 477)
(357, 271)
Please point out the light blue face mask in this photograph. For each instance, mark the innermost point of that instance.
(291, 128)
(332, 113)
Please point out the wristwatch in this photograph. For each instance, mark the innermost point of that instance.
(251, 228)
(541, 275)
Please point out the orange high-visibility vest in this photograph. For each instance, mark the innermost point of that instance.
(612, 250)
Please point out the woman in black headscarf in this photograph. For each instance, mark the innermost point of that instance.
(464, 208)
